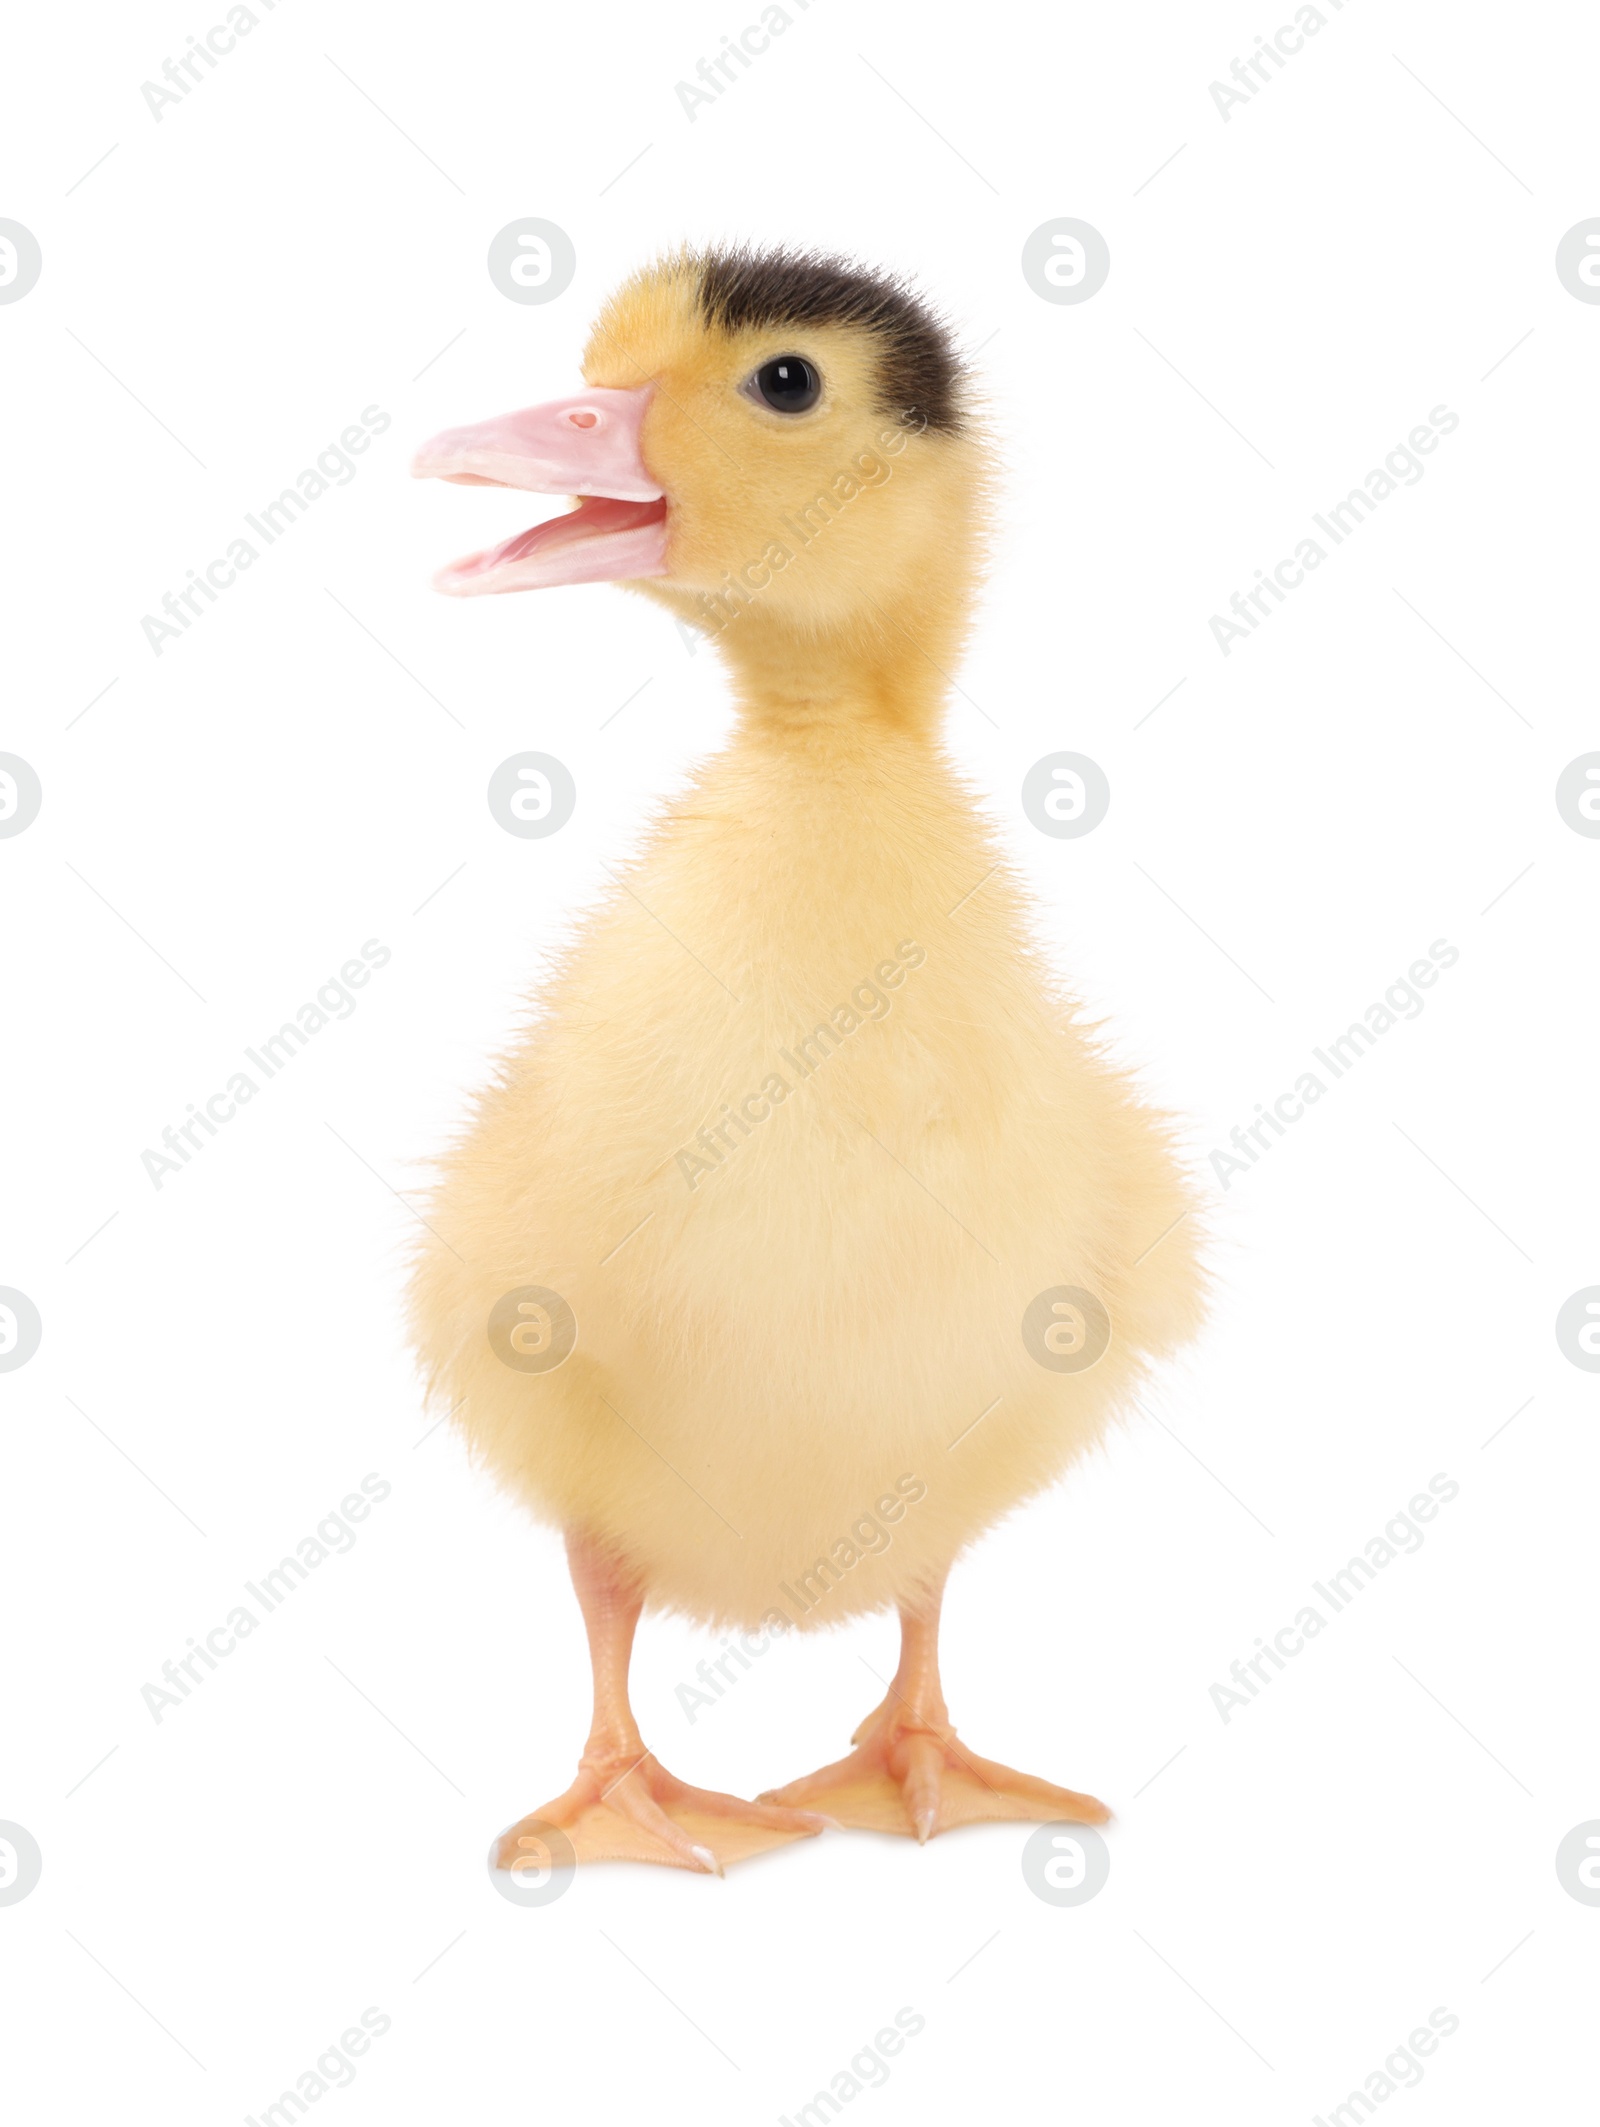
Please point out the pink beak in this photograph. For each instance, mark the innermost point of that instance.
(586, 446)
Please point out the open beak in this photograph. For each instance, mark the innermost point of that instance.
(587, 447)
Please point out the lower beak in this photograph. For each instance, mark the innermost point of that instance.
(586, 446)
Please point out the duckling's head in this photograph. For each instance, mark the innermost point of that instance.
(778, 446)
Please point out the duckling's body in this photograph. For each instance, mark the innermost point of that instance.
(787, 1310)
(801, 1127)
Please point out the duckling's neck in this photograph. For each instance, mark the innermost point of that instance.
(885, 671)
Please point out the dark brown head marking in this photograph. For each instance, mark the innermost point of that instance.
(920, 375)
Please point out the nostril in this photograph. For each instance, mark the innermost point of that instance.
(582, 417)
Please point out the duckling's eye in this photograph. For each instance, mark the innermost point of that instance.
(788, 384)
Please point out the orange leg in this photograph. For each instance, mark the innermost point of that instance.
(623, 1806)
(909, 1773)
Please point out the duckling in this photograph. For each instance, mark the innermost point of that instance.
(807, 1231)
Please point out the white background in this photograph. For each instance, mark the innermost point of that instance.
(1373, 1837)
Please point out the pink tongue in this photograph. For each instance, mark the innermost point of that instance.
(528, 542)
(627, 539)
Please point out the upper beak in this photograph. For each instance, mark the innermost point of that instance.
(586, 446)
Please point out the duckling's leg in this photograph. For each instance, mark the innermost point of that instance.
(623, 1806)
(910, 1773)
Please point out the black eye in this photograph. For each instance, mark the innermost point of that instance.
(789, 385)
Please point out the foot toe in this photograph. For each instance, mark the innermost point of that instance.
(920, 1786)
(633, 1800)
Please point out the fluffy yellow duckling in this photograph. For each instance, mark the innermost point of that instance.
(805, 1233)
